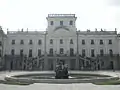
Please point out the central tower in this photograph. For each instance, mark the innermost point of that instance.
(61, 21)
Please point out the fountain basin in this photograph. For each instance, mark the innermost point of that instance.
(48, 77)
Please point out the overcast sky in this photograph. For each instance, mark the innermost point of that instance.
(31, 14)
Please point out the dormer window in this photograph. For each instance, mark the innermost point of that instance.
(51, 22)
(61, 23)
(71, 22)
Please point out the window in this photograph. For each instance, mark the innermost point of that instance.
(92, 42)
(87, 63)
(0, 53)
(51, 22)
(61, 41)
(12, 52)
(71, 22)
(110, 41)
(30, 52)
(101, 52)
(61, 23)
(83, 52)
(61, 50)
(83, 42)
(39, 52)
(21, 52)
(102, 63)
(92, 53)
(111, 52)
(71, 41)
(39, 42)
(30, 41)
(13, 42)
(21, 42)
(101, 42)
(51, 51)
(71, 51)
(0, 43)
(51, 41)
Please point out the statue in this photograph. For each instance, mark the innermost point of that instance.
(61, 71)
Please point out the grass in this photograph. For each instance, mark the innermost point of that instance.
(110, 82)
(14, 83)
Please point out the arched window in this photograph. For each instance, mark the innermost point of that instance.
(39, 52)
(92, 52)
(12, 52)
(21, 42)
(83, 52)
(51, 41)
(0, 52)
(13, 42)
(92, 41)
(110, 41)
(39, 42)
(61, 50)
(71, 41)
(61, 23)
(61, 41)
(101, 42)
(111, 52)
(71, 51)
(30, 52)
(101, 52)
(21, 52)
(0, 43)
(30, 42)
(83, 42)
(51, 22)
(51, 51)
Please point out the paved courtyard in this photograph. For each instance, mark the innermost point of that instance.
(42, 86)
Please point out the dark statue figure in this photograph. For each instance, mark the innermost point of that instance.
(61, 71)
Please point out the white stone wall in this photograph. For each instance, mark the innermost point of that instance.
(96, 46)
(26, 46)
(66, 35)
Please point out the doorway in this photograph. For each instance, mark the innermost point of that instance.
(111, 65)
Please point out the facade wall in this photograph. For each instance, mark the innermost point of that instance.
(96, 46)
(26, 46)
(66, 33)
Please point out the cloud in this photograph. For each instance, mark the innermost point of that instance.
(114, 2)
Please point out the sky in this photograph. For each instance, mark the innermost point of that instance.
(31, 14)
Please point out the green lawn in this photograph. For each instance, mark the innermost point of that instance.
(110, 82)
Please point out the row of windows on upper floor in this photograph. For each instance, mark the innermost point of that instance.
(100, 42)
(61, 51)
(61, 42)
(61, 22)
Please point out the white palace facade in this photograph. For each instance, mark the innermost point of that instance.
(42, 50)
